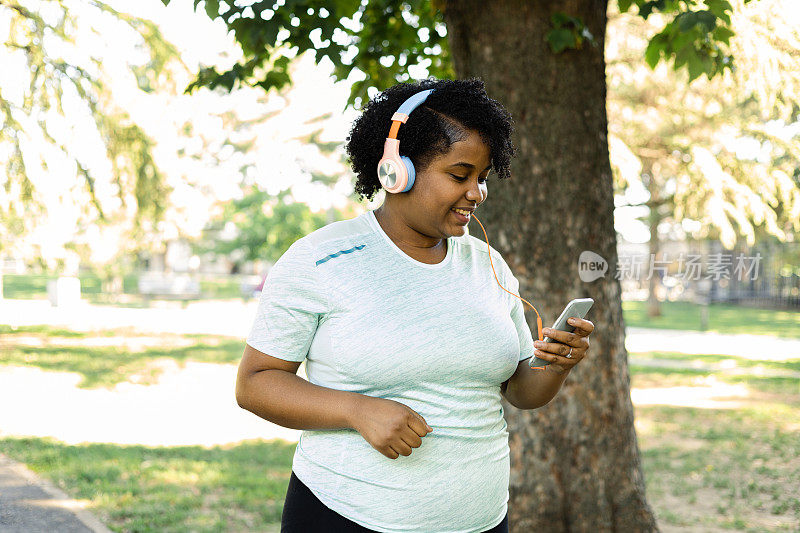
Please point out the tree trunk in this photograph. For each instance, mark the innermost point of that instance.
(575, 462)
(654, 218)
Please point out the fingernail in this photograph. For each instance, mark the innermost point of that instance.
(429, 428)
(571, 321)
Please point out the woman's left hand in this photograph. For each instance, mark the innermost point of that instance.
(570, 349)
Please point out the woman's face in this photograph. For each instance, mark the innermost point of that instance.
(456, 179)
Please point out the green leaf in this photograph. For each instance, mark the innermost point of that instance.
(686, 20)
(684, 38)
(723, 34)
(721, 9)
(647, 8)
(559, 19)
(625, 5)
(682, 56)
(212, 9)
(560, 38)
(695, 65)
(653, 53)
(707, 19)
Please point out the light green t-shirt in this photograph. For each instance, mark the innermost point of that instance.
(440, 339)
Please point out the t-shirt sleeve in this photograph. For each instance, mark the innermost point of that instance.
(290, 307)
(518, 316)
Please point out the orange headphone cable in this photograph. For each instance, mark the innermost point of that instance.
(538, 318)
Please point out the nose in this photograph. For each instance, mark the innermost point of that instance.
(476, 192)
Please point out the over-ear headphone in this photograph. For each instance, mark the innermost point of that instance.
(395, 172)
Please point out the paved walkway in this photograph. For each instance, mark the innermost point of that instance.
(29, 504)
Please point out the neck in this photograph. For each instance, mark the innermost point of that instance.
(403, 233)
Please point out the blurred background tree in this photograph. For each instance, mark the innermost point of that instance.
(59, 110)
(678, 149)
(107, 161)
(260, 226)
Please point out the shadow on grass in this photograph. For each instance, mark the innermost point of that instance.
(186, 488)
(105, 366)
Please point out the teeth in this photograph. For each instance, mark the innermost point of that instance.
(462, 212)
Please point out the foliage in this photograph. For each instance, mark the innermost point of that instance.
(388, 40)
(383, 39)
(681, 143)
(568, 32)
(57, 103)
(264, 226)
(696, 36)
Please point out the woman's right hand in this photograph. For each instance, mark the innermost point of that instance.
(389, 426)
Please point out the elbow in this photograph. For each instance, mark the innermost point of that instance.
(524, 404)
(242, 393)
(241, 398)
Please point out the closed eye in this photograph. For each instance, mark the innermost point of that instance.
(462, 178)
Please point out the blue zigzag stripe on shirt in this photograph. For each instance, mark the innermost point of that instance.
(337, 254)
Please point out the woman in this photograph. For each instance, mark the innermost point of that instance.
(409, 342)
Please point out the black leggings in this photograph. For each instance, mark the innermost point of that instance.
(304, 513)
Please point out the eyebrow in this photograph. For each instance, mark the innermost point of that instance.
(469, 165)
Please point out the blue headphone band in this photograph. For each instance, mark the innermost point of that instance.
(414, 102)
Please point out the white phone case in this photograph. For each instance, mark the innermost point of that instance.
(577, 307)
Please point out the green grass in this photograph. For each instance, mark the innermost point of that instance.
(27, 286)
(722, 318)
(722, 468)
(34, 286)
(675, 377)
(7, 330)
(729, 469)
(185, 488)
(220, 288)
(711, 359)
(105, 366)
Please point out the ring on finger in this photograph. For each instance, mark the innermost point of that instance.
(569, 355)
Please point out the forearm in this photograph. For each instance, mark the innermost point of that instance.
(290, 401)
(530, 389)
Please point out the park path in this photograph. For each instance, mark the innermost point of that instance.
(30, 504)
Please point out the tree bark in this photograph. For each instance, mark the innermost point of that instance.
(575, 462)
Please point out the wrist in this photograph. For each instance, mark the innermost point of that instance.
(352, 408)
(557, 369)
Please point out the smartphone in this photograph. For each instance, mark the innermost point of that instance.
(577, 308)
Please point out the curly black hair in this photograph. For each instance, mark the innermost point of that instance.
(443, 119)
